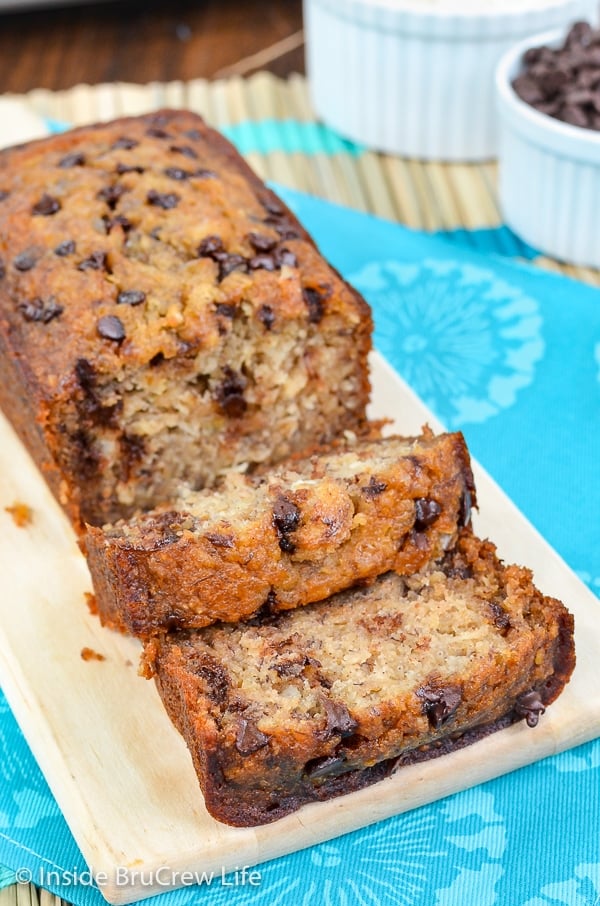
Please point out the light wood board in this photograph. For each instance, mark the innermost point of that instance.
(120, 772)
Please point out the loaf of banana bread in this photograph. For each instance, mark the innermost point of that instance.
(300, 534)
(322, 700)
(164, 316)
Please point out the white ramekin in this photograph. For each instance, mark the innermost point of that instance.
(549, 179)
(410, 78)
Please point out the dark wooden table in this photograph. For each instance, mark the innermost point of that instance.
(137, 41)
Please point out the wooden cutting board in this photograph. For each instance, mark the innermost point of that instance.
(120, 772)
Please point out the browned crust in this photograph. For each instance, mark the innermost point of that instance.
(266, 784)
(164, 580)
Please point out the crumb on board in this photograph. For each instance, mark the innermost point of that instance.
(88, 654)
(90, 600)
(21, 513)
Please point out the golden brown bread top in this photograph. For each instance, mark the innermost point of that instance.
(134, 239)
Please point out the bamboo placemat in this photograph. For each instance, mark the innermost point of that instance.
(427, 196)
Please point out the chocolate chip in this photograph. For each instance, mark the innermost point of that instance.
(267, 316)
(46, 206)
(203, 173)
(249, 738)
(339, 719)
(26, 260)
(271, 204)
(155, 132)
(97, 261)
(226, 309)
(580, 33)
(110, 327)
(500, 617)
(194, 134)
(439, 704)
(318, 768)
(560, 82)
(76, 159)
(262, 262)
(40, 310)
(315, 303)
(65, 248)
(374, 488)
(261, 243)
(157, 359)
(209, 246)
(118, 221)
(4, 194)
(531, 707)
(125, 144)
(111, 195)
(286, 519)
(121, 169)
(426, 512)
(230, 263)
(220, 540)
(177, 173)
(164, 200)
(230, 393)
(214, 675)
(186, 150)
(131, 297)
(285, 258)
(2, 269)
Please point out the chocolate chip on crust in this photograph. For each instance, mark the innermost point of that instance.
(97, 261)
(41, 310)
(186, 150)
(210, 246)
(75, 159)
(111, 195)
(283, 257)
(262, 262)
(177, 173)
(229, 263)
(164, 200)
(261, 243)
(131, 297)
(110, 327)
(46, 206)
(122, 169)
(25, 261)
(65, 248)
(124, 144)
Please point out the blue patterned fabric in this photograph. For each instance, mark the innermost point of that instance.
(511, 356)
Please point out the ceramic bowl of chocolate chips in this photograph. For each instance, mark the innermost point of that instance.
(548, 93)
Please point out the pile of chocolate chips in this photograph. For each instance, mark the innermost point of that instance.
(565, 82)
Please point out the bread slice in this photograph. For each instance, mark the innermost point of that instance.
(295, 536)
(164, 317)
(325, 699)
